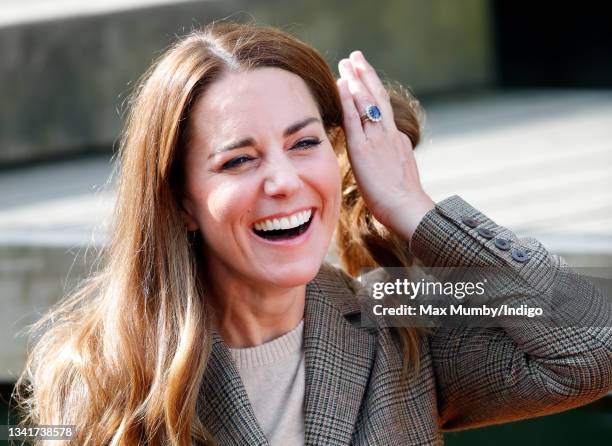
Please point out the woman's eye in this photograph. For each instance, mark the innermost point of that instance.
(307, 143)
(235, 162)
(301, 145)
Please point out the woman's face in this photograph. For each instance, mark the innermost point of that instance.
(258, 152)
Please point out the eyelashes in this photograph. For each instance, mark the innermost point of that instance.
(235, 162)
(304, 144)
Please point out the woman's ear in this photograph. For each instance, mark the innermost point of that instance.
(188, 215)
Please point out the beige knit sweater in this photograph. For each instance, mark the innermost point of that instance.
(273, 376)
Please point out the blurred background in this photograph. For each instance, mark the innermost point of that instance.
(518, 97)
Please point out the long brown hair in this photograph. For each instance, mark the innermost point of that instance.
(122, 358)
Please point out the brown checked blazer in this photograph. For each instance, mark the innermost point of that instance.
(469, 377)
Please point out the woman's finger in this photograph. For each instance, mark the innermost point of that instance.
(352, 123)
(370, 79)
(361, 95)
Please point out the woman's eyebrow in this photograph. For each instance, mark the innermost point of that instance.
(293, 128)
(299, 126)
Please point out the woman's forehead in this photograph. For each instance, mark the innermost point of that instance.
(260, 99)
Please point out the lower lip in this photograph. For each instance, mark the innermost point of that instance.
(291, 242)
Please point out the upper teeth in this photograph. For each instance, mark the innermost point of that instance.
(292, 221)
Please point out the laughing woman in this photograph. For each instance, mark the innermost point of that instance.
(216, 320)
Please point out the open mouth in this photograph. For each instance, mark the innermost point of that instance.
(284, 234)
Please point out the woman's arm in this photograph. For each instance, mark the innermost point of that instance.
(483, 375)
(491, 375)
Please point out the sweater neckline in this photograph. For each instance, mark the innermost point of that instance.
(270, 352)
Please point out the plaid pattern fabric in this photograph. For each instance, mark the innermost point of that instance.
(469, 377)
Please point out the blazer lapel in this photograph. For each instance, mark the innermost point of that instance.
(338, 360)
(225, 409)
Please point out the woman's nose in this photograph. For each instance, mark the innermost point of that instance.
(282, 177)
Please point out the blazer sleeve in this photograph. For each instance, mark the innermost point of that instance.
(510, 372)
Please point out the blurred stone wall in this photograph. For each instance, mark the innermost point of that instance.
(32, 279)
(63, 83)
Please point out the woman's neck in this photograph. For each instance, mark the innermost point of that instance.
(246, 316)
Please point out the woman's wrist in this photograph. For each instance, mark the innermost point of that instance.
(409, 214)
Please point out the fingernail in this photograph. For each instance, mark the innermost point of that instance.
(358, 60)
(345, 66)
(359, 55)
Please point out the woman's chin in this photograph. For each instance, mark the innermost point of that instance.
(293, 275)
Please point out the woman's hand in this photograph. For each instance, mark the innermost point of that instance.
(381, 156)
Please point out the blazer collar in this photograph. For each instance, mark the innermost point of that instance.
(338, 361)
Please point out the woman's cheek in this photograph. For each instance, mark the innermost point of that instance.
(324, 175)
(324, 163)
(330, 173)
(228, 201)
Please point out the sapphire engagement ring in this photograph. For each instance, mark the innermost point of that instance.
(372, 113)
